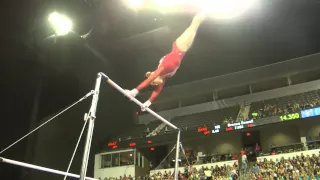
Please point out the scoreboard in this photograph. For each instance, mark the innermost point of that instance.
(233, 126)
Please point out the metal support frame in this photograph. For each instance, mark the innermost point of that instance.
(177, 147)
(176, 167)
(184, 153)
(117, 87)
(91, 118)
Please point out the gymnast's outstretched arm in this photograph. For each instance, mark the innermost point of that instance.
(157, 91)
(154, 94)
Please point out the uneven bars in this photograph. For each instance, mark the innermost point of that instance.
(138, 102)
(22, 164)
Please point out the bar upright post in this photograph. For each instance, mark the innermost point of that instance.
(91, 118)
(176, 167)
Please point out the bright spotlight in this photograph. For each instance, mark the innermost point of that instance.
(167, 2)
(60, 23)
(227, 9)
(136, 3)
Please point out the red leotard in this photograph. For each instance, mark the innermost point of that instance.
(168, 66)
(171, 62)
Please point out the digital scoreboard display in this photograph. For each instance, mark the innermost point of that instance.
(233, 126)
(202, 129)
(310, 112)
(291, 116)
(111, 144)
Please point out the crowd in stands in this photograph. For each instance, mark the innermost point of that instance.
(124, 177)
(299, 167)
(295, 168)
(274, 110)
(205, 173)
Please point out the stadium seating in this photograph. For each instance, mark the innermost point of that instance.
(137, 131)
(303, 99)
(154, 124)
(205, 118)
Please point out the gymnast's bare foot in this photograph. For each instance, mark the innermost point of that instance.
(200, 17)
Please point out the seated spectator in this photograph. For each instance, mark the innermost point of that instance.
(125, 177)
(225, 121)
(235, 157)
(208, 173)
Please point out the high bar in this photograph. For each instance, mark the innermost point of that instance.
(22, 164)
(115, 85)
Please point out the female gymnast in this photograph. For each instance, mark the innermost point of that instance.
(170, 63)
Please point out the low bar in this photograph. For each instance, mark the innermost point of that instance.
(22, 164)
(113, 84)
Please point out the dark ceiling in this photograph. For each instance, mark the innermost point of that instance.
(127, 43)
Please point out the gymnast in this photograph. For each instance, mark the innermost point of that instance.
(170, 63)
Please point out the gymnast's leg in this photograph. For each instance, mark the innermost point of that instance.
(184, 42)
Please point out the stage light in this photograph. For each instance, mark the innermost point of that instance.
(167, 2)
(60, 23)
(227, 9)
(135, 3)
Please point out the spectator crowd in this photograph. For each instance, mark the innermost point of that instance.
(205, 173)
(274, 110)
(299, 167)
(295, 168)
(190, 173)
